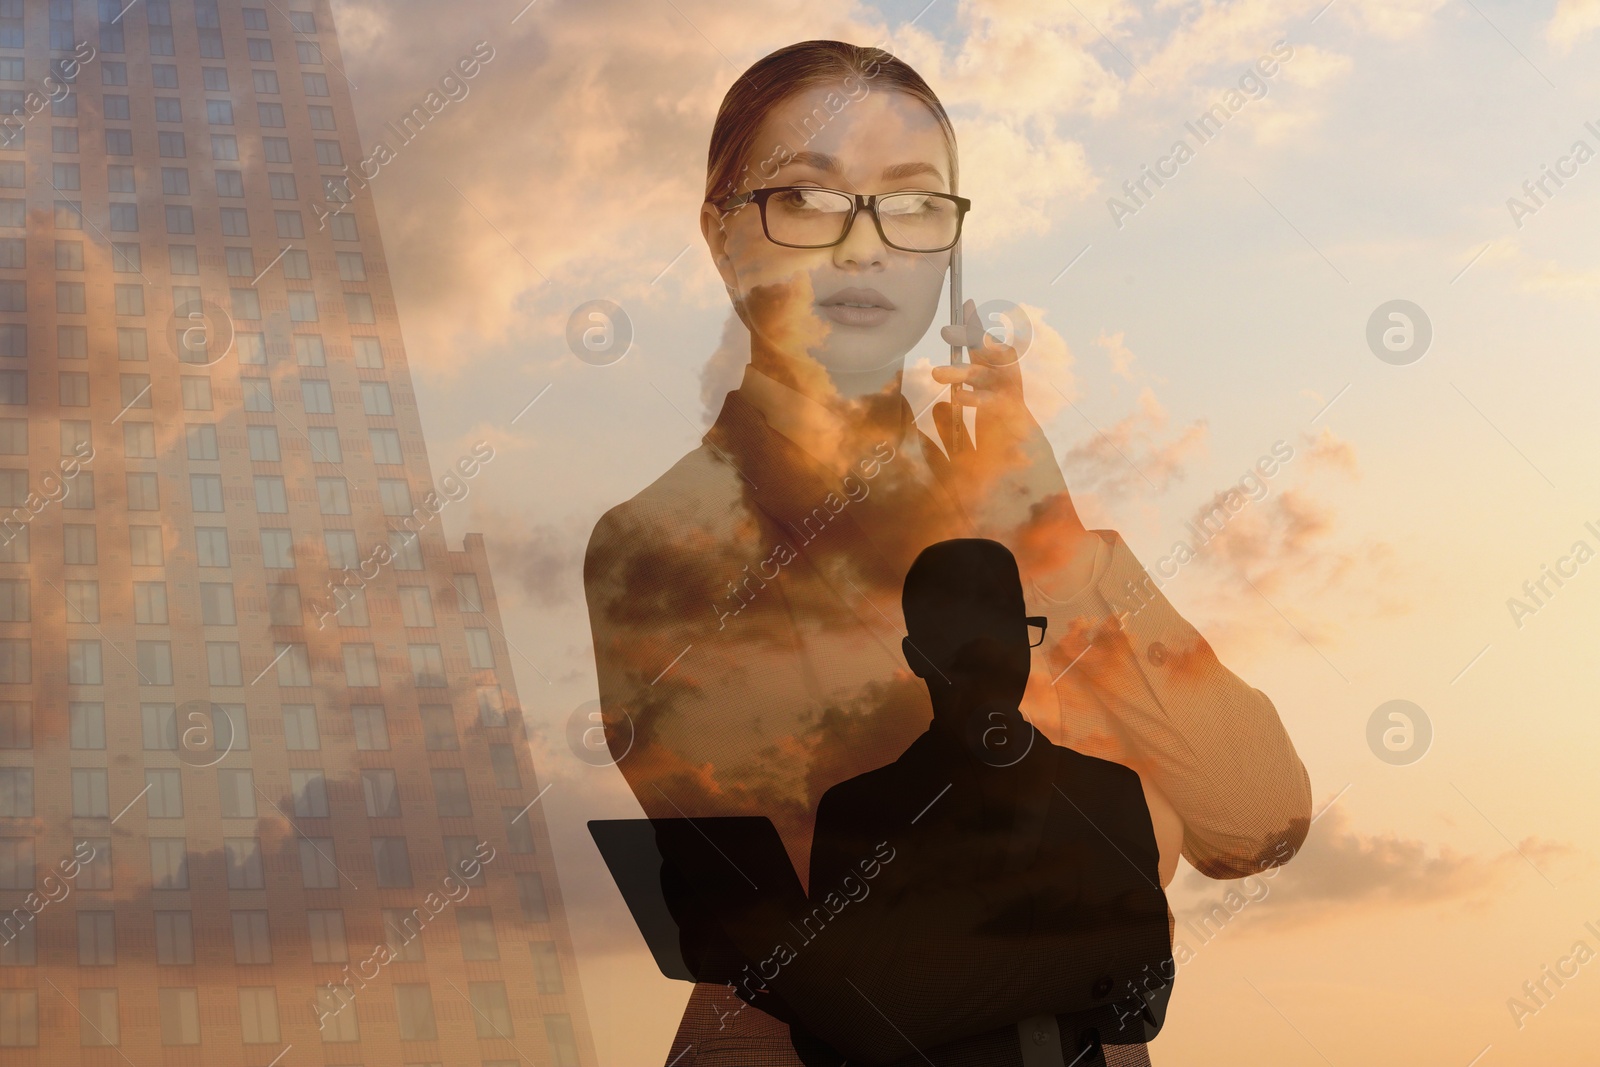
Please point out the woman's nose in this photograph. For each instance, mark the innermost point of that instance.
(861, 247)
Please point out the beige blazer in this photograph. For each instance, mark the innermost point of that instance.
(746, 625)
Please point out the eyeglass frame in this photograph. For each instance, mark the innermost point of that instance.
(863, 202)
(1043, 623)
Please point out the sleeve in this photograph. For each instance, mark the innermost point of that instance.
(1212, 744)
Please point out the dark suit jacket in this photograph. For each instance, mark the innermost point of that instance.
(1047, 868)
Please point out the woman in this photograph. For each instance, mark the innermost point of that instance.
(744, 607)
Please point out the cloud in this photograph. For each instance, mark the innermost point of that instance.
(1340, 870)
(1573, 20)
(1129, 455)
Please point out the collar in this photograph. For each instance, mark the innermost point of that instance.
(818, 430)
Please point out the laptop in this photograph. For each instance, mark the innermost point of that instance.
(680, 878)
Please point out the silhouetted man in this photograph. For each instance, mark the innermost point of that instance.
(1004, 844)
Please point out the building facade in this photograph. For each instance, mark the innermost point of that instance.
(265, 791)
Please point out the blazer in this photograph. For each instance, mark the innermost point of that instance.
(1050, 857)
(745, 615)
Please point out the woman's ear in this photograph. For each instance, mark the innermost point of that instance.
(715, 232)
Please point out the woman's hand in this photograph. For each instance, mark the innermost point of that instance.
(991, 381)
(1009, 476)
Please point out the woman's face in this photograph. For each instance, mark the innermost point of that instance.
(840, 318)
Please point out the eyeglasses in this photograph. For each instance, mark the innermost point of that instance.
(1041, 622)
(806, 216)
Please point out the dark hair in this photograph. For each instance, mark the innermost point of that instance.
(775, 78)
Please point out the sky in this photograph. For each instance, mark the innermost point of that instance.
(1179, 336)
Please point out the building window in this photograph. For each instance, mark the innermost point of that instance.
(519, 830)
(300, 728)
(294, 665)
(243, 855)
(174, 938)
(317, 869)
(491, 1013)
(277, 548)
(450, 793)
(252, 938)
(327, 936)
(310, 790)
(150, 602)
(360, 666)
(222, 663)
(257, 394)
(271, 498)
(324, 442)
(180, 1016)
(439, 728)
(169, 863)
(371, 726)
(211, 546)
(317, 397)
(97, 939)
(392, 862)
(164, 794)
(333, 496)
(381, 792)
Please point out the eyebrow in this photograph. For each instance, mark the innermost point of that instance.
(823, 161)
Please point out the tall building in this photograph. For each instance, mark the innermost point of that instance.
(265, 792)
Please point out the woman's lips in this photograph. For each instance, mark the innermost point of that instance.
(853, 315)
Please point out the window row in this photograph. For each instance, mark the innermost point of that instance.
(253, 941)
(72, 299)
(179, 1014)
(236, 791)
(191, 344)
(73, 391)
(242, 860)
(159, 35)
(224, 665)
(126, 258)
(179, 219)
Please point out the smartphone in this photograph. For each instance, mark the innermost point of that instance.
(960, 439)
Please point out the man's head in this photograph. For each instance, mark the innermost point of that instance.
(967, 623)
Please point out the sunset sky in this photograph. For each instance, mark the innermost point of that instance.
(1178, 340)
